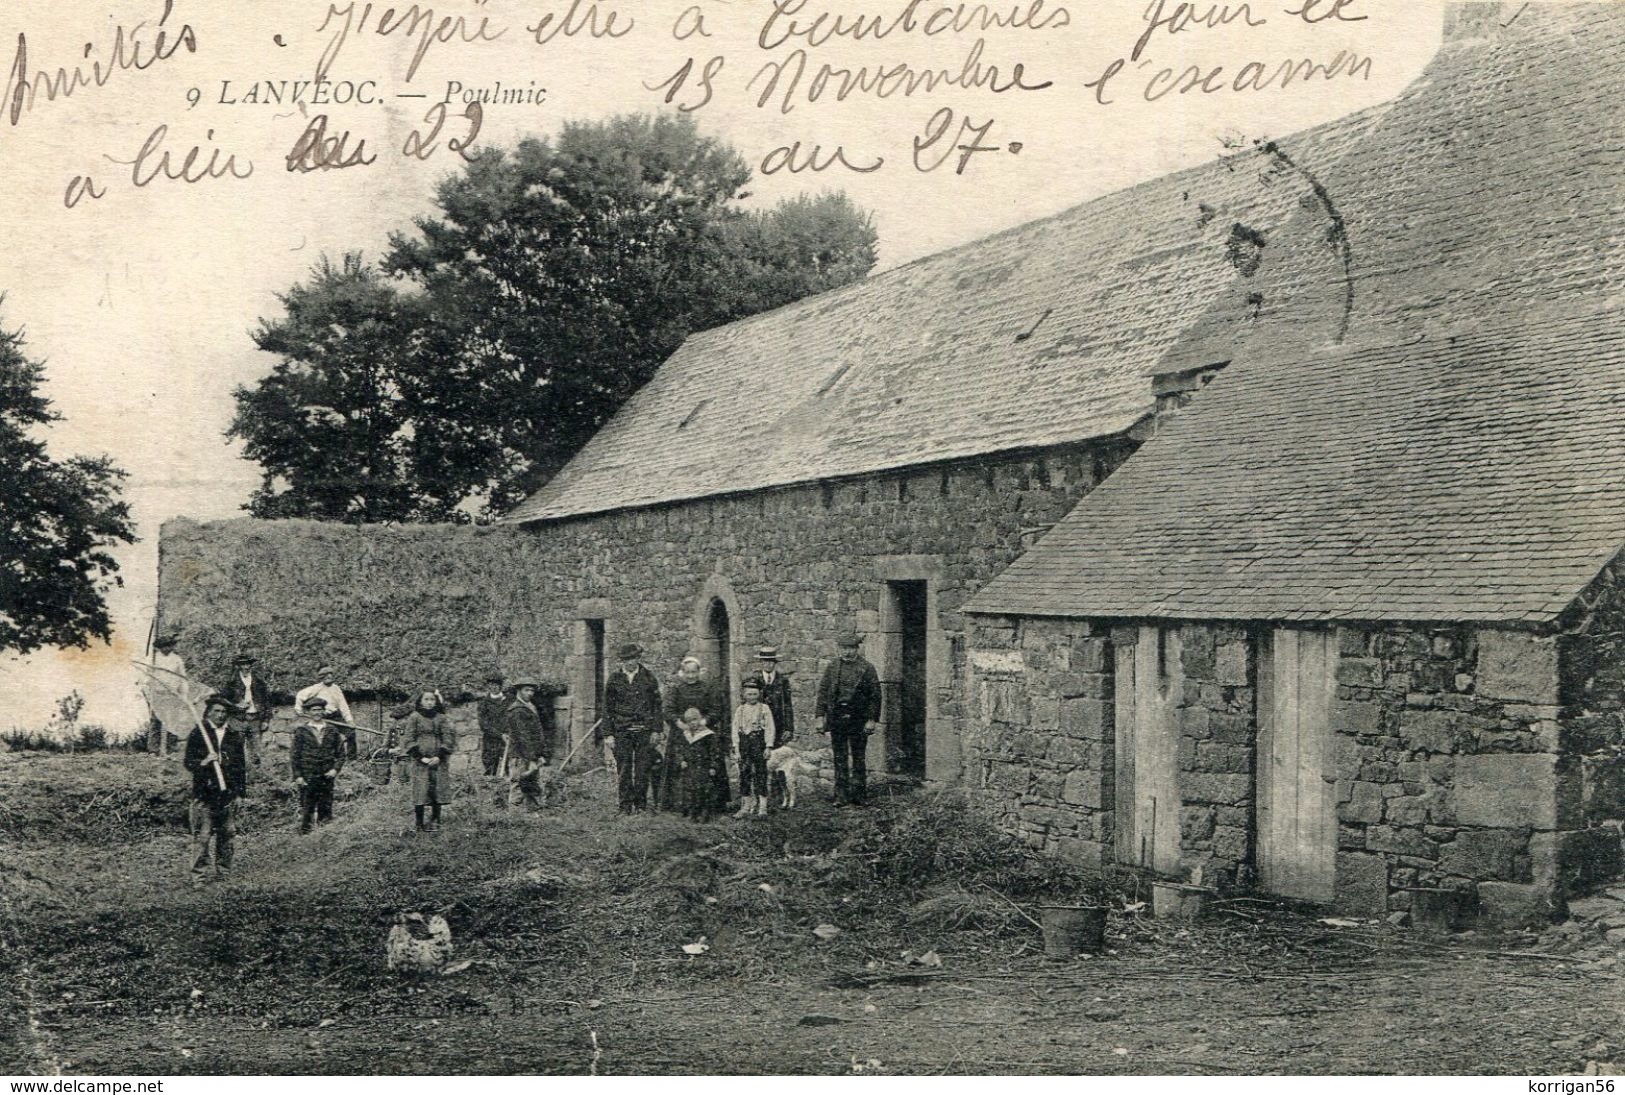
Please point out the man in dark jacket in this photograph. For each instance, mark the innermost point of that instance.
(216, 756)
(250, 697)
(632, 712)
(849, 711)
(319, 749)
(492, 708)
(530, 733)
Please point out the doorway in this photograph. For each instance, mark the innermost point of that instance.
(905, 676)
(1150, 687)
(714, 648)
(595, 660)
(1297, 799)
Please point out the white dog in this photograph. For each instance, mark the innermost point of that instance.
(792, 762)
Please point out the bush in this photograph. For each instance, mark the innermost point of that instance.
(91, 737)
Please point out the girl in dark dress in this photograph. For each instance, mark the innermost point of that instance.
(700, 757)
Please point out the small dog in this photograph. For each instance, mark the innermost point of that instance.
(792, 762)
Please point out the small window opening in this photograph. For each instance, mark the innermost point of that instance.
(828, 492)
(1162, 658)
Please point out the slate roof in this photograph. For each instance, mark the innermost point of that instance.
(927, 362)
(1460, 454)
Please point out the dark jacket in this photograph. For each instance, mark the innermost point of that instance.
(236, 695)
(627, 703)
(317, 750)
(531, 730)
(849, 694)
(700, 772)
(704, 694)
(492, 711)
(777, 697)
(428, 736)
(233, 762)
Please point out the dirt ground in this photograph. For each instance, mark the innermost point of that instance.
(572, 924)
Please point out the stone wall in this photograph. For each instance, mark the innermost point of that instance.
(400, 608)
(1456, 766)
(1039, 754)
(1592, 694)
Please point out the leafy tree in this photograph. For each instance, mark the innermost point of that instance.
(58, 521)
(329, 422)
(555, 279)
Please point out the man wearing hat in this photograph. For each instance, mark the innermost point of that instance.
(215, 755)
(318, 754)
(493, 705)
(775, 686)
(632, 712)
(849, 711)
(251, 697)
(327, 687)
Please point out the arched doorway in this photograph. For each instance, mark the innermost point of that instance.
(715, 611)
(716, 647)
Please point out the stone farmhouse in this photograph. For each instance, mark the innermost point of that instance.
(1349, 627)
(1255, 525)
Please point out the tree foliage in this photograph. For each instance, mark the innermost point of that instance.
(59, 520)
(552, 282)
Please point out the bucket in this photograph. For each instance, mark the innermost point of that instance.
(1071, 930)
(1177, 900)
(1437, 911)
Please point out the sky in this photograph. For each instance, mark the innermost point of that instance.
(140, 298)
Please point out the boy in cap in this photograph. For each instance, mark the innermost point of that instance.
(775, 686)
(849, 711)
(530, 733)
(493, 705)
(327, 687)
(317, 757)
(753, 735)
(632, 713)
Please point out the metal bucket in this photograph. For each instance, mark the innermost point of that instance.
(1071, 930)
(1438, 911)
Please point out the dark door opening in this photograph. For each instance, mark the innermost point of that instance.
(595, 657)
(716, 649)
(906, 728)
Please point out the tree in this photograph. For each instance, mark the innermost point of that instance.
(329, 422)
(555, 279)
(58, 521)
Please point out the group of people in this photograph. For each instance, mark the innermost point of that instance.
(671, 746)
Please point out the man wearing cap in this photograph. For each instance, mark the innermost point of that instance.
(215, 755)
(849, 711)
(251, 697)
(327, 687)
(492, 707)
(632, 712)
(317, 756)
(775, 686)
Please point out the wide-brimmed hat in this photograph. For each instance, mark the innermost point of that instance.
(243, 659)
(524, 682)
(849, 639)
(218, 699)
(314, 703)
(629, 652)
(767, 654)
(164, 642)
